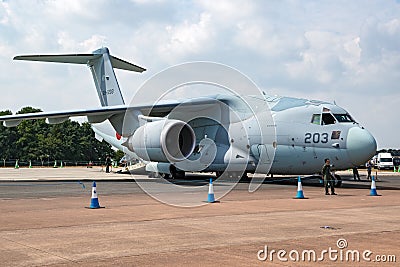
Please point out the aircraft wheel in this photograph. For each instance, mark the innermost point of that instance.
(153, 175)
(244, 177)
(218, 173)
(233, 174)
(178, 175)
(338, 181)
(236, 175)
(164, 175)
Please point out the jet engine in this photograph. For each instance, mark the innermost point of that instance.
(163, 140)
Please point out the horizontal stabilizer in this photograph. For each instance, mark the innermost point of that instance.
(74, 59)
(124, 65)
(81, 59)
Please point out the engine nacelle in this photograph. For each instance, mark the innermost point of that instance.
(163, 140)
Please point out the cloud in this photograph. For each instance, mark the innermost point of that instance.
(187, 38)
(331, 50)
(67, 43)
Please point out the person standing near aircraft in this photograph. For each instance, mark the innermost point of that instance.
(108, 163)
(369, 169)
(328, 178)
(356, 174)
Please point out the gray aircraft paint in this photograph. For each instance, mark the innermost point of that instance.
(298, 146)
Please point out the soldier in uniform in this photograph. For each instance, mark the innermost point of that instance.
(108, 163)
(329, 180)
(369, 170)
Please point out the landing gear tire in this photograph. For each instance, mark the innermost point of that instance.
(178, 175)
(154, 175)
(243, 176)
(338, 181)
(164, 175)
(218, 173)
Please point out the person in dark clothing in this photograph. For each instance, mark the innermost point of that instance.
(356, 174)
(108, 163)
(329, 180)
(369, 170)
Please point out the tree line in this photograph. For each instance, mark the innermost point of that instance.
(35, 140)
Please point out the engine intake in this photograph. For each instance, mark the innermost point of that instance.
(163, 140)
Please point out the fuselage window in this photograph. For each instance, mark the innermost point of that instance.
(316, 119)
(327, 118)
(343, 118)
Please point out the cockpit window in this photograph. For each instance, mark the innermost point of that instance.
(343, 118)
(327, 118)
(316, 119)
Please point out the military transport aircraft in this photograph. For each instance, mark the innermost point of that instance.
(223, 133)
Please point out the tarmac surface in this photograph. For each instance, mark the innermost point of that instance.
(44, 222)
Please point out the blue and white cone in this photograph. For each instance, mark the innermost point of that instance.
(211, 198)
(373, 187)
(94, 202)
(299, 189)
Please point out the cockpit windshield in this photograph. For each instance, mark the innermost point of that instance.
(327, 118)
(343, 118)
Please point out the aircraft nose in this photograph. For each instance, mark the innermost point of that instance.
(361, 145)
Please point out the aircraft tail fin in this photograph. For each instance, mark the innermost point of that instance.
(102, 65)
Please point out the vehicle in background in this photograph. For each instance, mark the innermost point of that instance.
(384, 161)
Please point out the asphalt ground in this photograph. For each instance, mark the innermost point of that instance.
(44, 222)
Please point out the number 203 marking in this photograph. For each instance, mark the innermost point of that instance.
(316, 138)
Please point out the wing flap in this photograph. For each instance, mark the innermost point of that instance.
(60, 116)
(56, 120)
(11, 123)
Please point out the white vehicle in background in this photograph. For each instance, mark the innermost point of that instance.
(384, 161)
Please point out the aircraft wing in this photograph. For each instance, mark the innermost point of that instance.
(61, 116)
(98, 115)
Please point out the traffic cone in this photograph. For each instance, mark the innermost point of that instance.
(94, 202)
(373, 187)
(211, 198)
(299, 189)
(16, 165)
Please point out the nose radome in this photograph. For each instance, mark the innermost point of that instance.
(361, 145)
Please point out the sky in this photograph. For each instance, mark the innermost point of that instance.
(342, 51)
